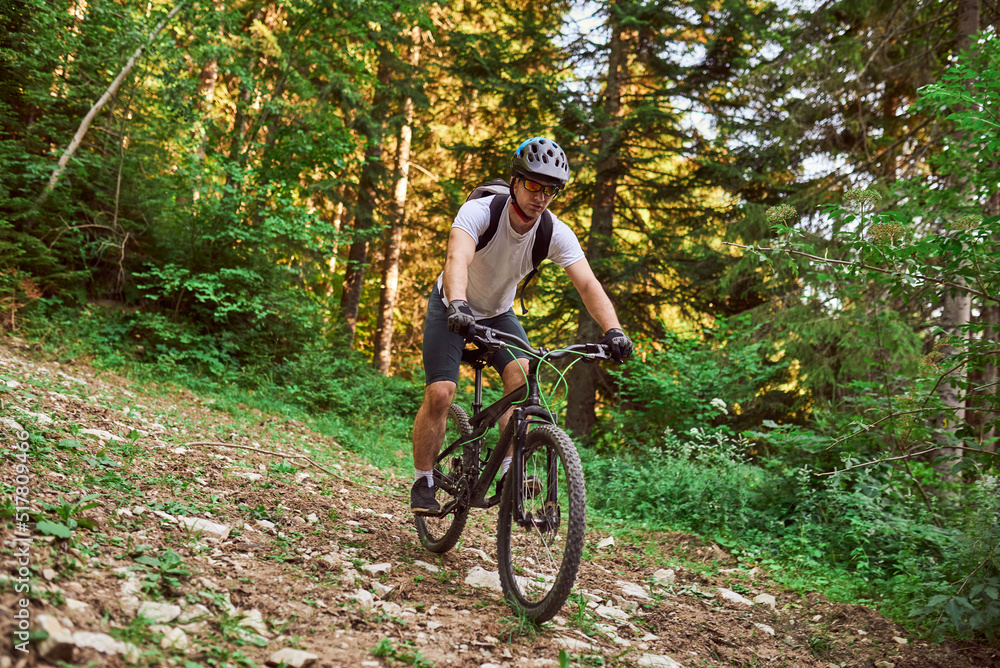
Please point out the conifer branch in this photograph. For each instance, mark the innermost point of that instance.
(909, 455)
(862, 265)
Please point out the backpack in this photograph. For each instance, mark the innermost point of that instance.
(540, 249)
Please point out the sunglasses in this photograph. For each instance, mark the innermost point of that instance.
(534, 187)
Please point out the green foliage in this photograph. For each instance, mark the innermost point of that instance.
(682, 384)
(973, 607)
(904, 532)
(329, 380)
(70, 514)
(163, 573)
(968, 96)
(699, 481)
(406, 653)
(867, 535)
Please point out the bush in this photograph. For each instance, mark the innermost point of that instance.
(865, 535)
(699, 482)
(966, 601)
(683, 384)
(345, 383)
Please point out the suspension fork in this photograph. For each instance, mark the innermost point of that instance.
(516, 470)
(530, 408)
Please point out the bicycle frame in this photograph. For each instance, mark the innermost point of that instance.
(528, 412)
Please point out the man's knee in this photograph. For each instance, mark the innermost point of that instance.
(438, 397)
(515, 374)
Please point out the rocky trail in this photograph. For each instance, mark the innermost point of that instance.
(165, 531)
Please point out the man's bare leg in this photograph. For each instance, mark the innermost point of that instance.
(514, 376)
(431, 423)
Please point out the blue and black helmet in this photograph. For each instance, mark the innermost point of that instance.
(542, 157)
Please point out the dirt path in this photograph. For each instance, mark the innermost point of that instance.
(204, 555)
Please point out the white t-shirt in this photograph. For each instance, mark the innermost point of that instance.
(496, 270)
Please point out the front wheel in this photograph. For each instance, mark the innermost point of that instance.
(539, 556)
(439, 534)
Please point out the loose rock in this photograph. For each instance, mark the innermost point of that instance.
(765, 628)
(105, 644)
(730, 595)
(633, 590)
(611, 613)
(376, 569)
(664, 576)
(423, 564)
(293, 658)
(59, 646)
(159, 612)
(766, 599)
(480, 577)
(365, 598)
(657, 661)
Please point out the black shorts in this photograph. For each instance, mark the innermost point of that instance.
(443, 349)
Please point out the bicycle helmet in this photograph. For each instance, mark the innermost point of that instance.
(543, 157)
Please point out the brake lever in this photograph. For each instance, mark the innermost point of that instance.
(485, 335)
(596, 352)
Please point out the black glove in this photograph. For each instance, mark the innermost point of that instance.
(621, 345)
(460, 318)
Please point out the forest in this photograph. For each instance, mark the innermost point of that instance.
(794, 206)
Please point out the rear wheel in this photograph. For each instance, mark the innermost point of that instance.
(439, 534)
(539, 557)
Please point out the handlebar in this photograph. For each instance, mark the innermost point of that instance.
(494, 339)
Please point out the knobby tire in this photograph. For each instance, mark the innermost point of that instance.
(538, 566)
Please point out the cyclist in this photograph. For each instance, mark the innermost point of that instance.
(479, 287)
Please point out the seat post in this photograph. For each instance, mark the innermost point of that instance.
(477, 404)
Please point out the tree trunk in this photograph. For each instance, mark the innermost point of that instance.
(956, 306)
(988, 399)
(991, 372)
(584, 379)
(968, 23)
(339, 213)
(206, 92)
(241, 118)
(394, 239)
(94, 110)
(955, 317)
(357, 256)
(207, 81)
(368, 200)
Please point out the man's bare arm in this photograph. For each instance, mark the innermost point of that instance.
(592, 292)
(461, 250)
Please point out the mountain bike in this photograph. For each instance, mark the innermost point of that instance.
(540, 530)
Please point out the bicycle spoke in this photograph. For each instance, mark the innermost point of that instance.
(538, 561)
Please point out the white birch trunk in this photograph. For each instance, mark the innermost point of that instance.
(108, 94)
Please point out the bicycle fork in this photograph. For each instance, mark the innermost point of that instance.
(546, 519)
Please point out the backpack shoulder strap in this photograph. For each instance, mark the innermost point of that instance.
(543, 238)
(539, 251)
(496, 209)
